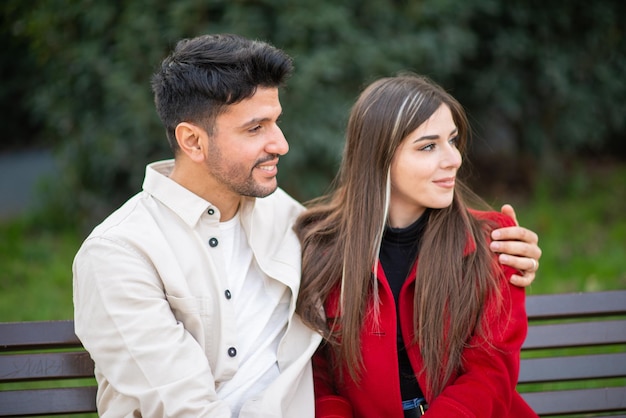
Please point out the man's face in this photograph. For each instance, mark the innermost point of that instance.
(246, 143)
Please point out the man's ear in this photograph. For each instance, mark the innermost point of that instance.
(191, 140)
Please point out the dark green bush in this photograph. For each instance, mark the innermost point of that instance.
(546, 78)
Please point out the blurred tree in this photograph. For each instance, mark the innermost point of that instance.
(20, 128)
(550, 73)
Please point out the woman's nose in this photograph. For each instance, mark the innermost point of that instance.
(452, 157)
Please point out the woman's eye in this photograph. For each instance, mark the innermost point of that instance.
(428, 147)
(454, 140)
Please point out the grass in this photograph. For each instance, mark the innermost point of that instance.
(35, 271)
(582, 231)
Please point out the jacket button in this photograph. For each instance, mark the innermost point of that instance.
(228, 294)
(213, 242)
(232, 351)
(211, 211)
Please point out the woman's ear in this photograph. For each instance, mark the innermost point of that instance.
(191, 140)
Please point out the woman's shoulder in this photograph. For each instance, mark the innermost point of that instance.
(498, 219)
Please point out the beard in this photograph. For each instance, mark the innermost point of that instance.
(250, 187)
(238, 177)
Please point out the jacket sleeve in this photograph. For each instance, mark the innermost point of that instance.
(486, 387)
(328, 404)
(125, 322)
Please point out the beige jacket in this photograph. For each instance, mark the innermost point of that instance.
(150, 306)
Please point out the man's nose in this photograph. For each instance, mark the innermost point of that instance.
(278, 143)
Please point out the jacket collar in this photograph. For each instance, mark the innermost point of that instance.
(186, 204)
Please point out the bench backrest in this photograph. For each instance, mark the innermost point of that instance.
(579, 338)
(46, 351)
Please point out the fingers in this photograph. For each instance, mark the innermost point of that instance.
(527, 266)
(509, 211)
(515, 233)
(523, 281)
(518, 250)
(522, 264)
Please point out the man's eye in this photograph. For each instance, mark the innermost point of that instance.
(255, 129)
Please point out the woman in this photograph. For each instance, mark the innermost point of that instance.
(437, 327)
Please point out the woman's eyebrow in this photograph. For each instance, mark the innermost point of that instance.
(431, 137)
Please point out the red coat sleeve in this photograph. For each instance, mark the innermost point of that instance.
(486, 387)
(327, 403)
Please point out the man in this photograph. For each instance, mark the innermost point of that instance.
(185, 296)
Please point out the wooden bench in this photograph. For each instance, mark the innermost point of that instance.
(578, 338)
(44, 352)
(596, 322)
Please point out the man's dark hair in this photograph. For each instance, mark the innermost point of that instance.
(203, 75)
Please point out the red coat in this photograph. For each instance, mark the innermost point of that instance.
(486, 389)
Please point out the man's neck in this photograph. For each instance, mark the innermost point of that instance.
(199, 183)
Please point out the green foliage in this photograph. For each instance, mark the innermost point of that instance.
(581, 228)
(552, 73)
(18, 71)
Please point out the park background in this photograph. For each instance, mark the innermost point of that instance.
(544, 84)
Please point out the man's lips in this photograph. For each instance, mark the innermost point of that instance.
(270, 166)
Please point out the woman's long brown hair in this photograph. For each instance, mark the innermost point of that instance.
(341, 235)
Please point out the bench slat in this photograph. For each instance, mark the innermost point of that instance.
(552, 369)
(577, 401)
(16, 403)
(22, 367)
(576, 305)
(576, 334)
(43, 335)
(29, 335)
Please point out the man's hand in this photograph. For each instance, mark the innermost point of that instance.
(518, 248)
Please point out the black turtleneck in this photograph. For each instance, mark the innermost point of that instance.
(398, 253)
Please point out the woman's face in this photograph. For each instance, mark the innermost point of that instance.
(424, 168)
